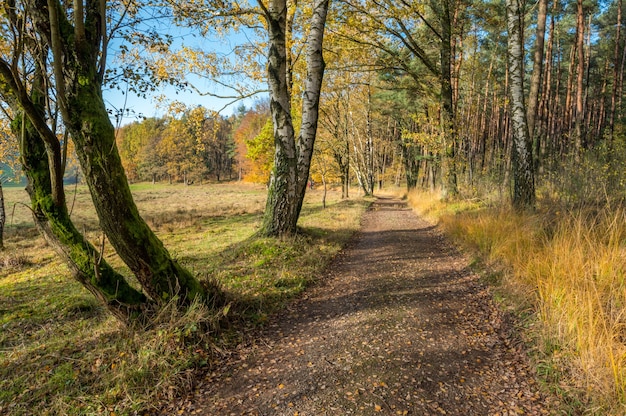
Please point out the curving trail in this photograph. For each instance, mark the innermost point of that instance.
(400, 326)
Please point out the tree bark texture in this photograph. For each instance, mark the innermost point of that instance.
(536, 76)
(523, 172)
(449, 168)
(53, 221)
(48, 203)
(79, 88)
(292, 158)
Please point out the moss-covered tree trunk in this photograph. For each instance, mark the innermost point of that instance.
(2, 217)
(135, 243)
(53, 221)
(76, 41)
(40, 157)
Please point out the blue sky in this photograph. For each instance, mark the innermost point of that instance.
(151, 107)
(153, 104)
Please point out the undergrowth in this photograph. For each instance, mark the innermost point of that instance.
(61, 353)
(567, 267)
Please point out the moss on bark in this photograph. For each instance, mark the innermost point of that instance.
(54, 222)
(161, 277)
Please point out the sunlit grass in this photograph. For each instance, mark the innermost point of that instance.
(60, 351)
(569, 267)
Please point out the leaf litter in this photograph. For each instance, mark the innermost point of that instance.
(399, 326)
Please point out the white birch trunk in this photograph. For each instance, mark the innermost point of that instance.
(521, 150)
(292, 159)
(311, 96)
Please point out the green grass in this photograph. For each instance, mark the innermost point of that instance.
(62, 353)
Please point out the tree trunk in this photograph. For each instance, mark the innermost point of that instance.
(545, 109)
(580, 73)
(566, 121)
(280, 210)
(161, 277)
(86, 264)
(292, 159)
(2, 217)
(411, 164)
(449, 168)
(521, 154)
(369, 146)
(616, 66)
(76, 55)
(535, 79)
(345, 188)
(325, 190)
(40, 157)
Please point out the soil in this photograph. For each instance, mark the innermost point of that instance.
(399, 326)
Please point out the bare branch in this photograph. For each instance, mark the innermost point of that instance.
(57, 56)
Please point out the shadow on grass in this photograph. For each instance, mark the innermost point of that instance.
(261, 275)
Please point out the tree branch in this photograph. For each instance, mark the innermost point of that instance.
(15, 88)
(79, 20)
(57, 56)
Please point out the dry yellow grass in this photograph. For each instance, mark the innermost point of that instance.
(571, 267)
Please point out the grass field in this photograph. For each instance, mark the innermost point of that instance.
(563, 271)
(62, 353)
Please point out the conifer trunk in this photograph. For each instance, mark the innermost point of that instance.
(616, 66)
(410, 153)
(536, 77)
(449, 167)
(580, 72)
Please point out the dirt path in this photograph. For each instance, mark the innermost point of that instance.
(399, 327)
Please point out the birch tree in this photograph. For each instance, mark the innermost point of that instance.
(279, 21)
(292, 159)
(523, 172)
(405, 32)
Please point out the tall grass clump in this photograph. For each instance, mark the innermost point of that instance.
(569, 267)
(579, 276)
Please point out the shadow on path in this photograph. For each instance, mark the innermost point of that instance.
(400, 326)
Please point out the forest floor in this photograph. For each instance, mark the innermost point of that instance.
(400, 325)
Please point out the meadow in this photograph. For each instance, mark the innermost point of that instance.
(562, 271)
(62, 353)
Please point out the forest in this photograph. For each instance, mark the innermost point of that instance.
(385, 100)
(502, 121)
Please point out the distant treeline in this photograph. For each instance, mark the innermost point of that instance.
(193, 146)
